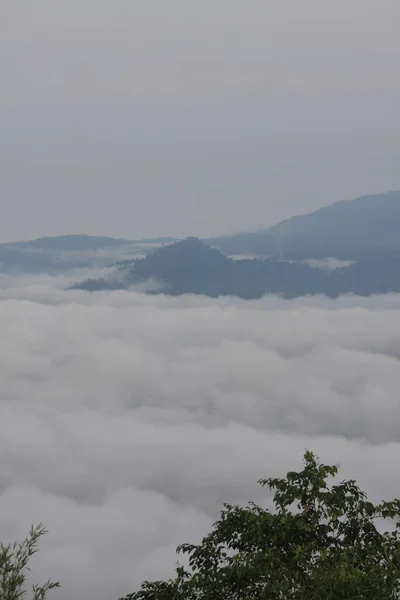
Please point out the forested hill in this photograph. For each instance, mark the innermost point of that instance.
(192, 267)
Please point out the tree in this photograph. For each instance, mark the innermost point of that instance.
(320, 542)
(14, 559)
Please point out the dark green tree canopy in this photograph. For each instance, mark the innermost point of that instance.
(320, 542)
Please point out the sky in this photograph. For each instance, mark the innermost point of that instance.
(150, 118)
(127, 420)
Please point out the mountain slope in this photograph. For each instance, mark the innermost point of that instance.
(187, 266)
(69, 243)
(191, 267)
(64, 252)
(353, 229)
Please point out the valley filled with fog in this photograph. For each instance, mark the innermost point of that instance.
(199, 283)
(128, 419)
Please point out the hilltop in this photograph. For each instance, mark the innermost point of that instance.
(364, 232)
(353, 229)
(64, 252)
(69, 243)
(192, 267)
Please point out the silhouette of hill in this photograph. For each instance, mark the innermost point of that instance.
(70, 242)
(192, 267)
(61, 253)
(354, 229)
(184, 265)
(364, 231)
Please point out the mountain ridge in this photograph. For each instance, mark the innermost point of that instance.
(79, 242)
(191, 267)
(346, 229)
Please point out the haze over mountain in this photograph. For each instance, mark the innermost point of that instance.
(346, 230)
(82, 242)
(69, 242)
(129, 415)
(191, 267)
(64, 252)
(364, 230)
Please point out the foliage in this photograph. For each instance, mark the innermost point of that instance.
(14, 559)
(320, 542)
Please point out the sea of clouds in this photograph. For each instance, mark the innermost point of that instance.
(126, 420)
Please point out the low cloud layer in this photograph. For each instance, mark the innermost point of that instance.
(126, 420)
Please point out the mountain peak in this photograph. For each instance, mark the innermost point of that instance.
(186, 252)
(349, 229)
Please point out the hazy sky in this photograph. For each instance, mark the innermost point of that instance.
(126, 420)
(155, 117)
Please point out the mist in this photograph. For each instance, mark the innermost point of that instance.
(126, 420)
(147, 119)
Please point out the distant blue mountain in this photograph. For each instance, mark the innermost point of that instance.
(61, 253)
(70, 242)
(354, 229)
(192, 267)
(364, 232)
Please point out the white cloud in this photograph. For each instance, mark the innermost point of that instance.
(330, 264)
(126, 420)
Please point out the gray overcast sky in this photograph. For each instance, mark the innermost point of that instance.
(177, 117)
